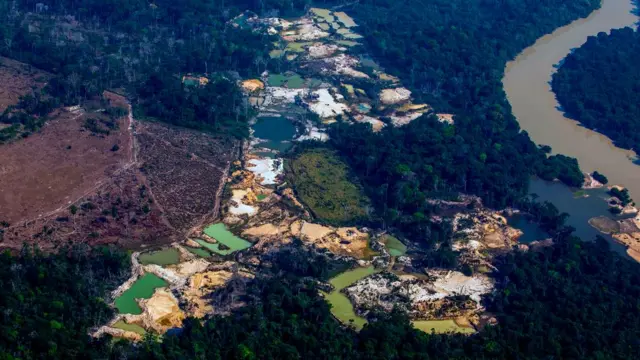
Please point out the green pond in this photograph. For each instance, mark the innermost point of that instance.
(198, 251)
(297, 47)
(293, 81)
(143, 288)
(323, 14)
(341, 306)
(369, 62)
(395, 246)
(441, 326)
(347, 43)
(220, 232)
(348, 34)
(261, 197)
(274, 54)
(191, 82)
(129, 327)
(345, 19)
(352, 36)
(168, 256)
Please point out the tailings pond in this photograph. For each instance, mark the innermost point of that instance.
(225, 237)
(526, 82)
(343, 310)
(169, 256)
(275, 131)
(143, 288)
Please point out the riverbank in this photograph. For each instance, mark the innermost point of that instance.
(537, 111)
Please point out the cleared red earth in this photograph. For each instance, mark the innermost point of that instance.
(58, 165)
(90, 177)
(18, 79)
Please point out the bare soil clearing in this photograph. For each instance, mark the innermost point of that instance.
(18, 79)
(58, 165)
(186, 171)
(66, 183)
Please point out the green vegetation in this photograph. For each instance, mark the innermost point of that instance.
(322, 181)
(142, 48)
(600, 178)
(580, 300)
(27, 116)
(168, 256)
(451, 54)
(395, 246)
(622, 195)
(213, 107)
(597, 84)
(142, 288)
(48, 302)
(198, 251)
(130, 327)
(292, 81)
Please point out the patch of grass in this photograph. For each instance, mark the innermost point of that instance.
(321, 180)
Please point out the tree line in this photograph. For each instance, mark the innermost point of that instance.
(597, 84)
(570, 300)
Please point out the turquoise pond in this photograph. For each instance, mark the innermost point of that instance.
(276, 131)
(220, 232)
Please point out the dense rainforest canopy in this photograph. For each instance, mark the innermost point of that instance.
(598, 84)
(452, 55)
(570, 300)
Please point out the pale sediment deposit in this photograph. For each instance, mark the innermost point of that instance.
(442, 295)
(325, 105)
(445, 118)
(161, 312)
(590, 182)
(252, 85)
(394, 96)
(376, 124)
(267, 170)
(238, 205)
(624, 231)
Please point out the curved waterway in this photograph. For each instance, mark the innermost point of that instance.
(526, 83)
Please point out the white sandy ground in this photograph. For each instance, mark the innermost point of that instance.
(325, 105)
(266, 169)
(240, 208)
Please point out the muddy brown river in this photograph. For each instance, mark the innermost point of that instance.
(526, 83)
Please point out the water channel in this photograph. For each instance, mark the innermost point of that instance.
(526, 83)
